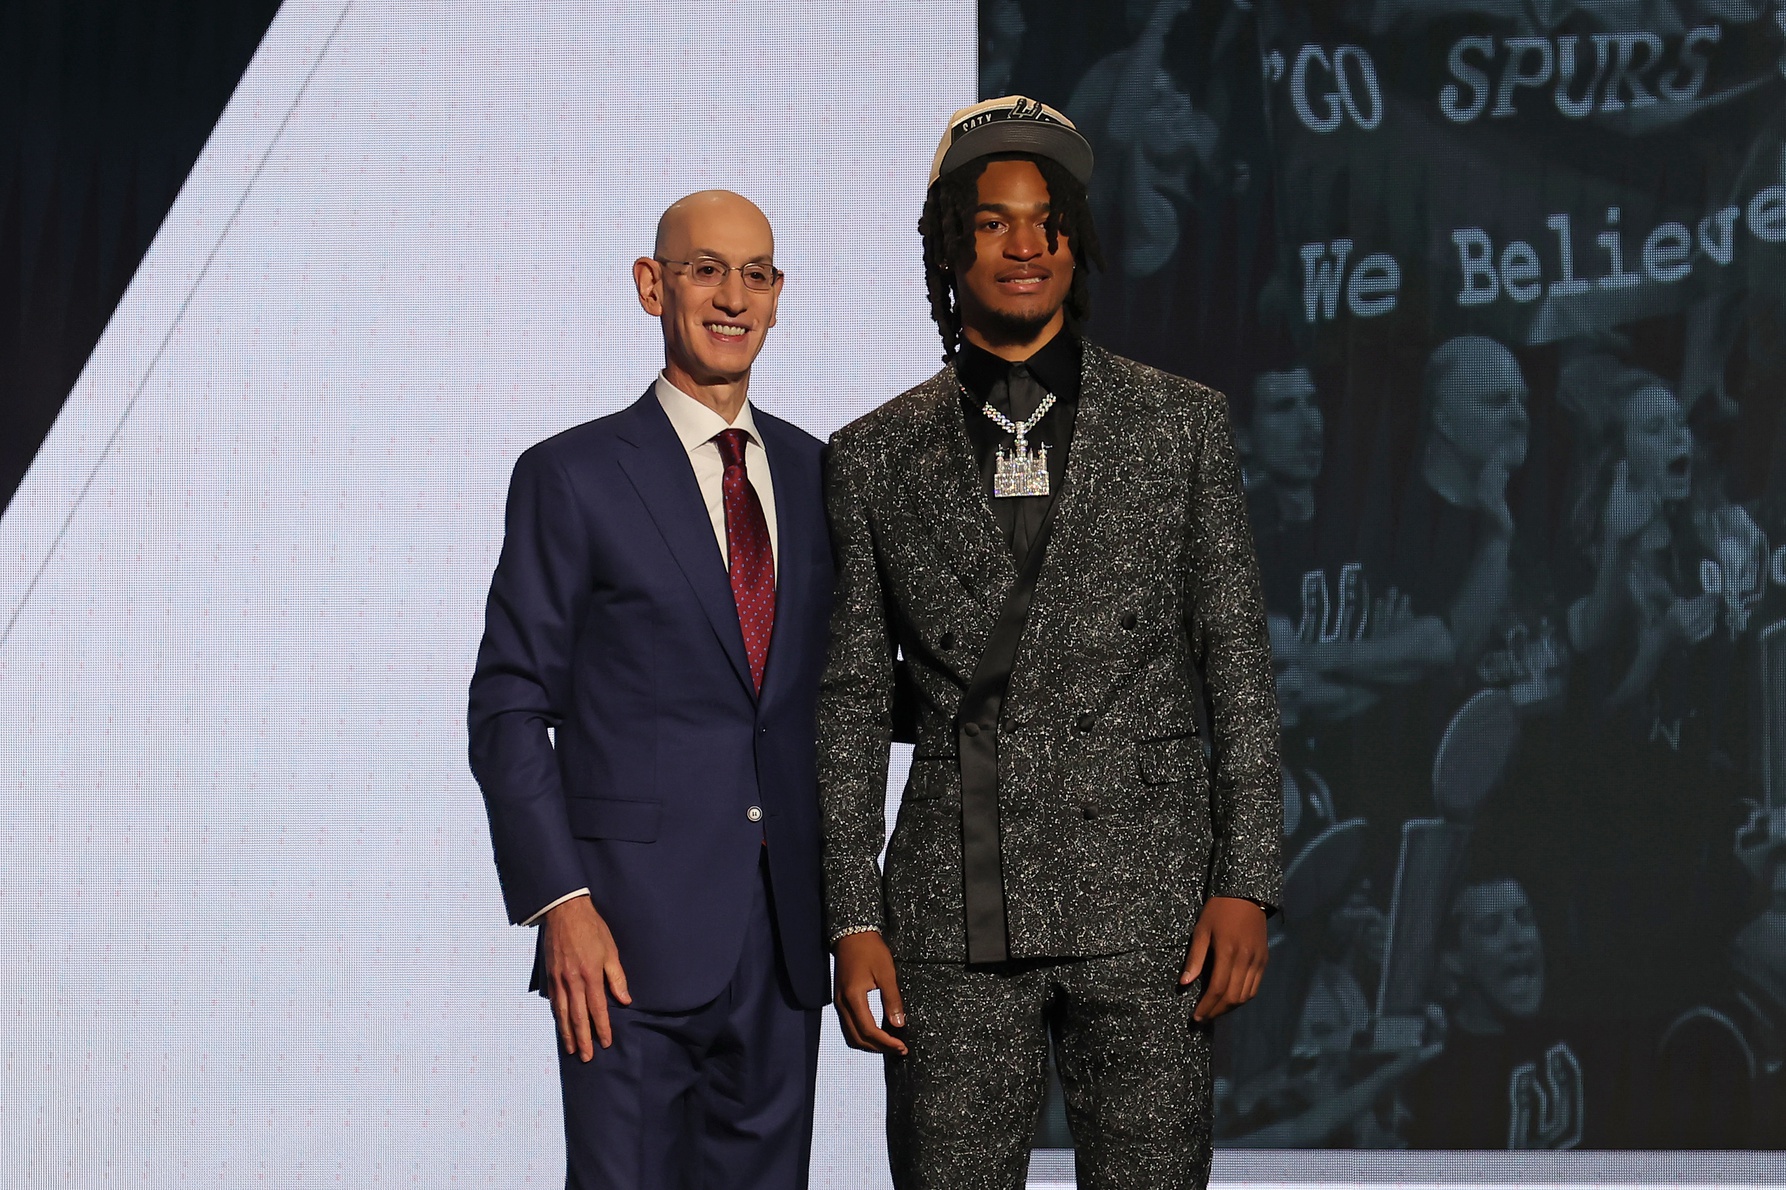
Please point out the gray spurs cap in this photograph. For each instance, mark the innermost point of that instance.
(1012, 124)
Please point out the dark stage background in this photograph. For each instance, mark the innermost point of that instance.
(1496, 289)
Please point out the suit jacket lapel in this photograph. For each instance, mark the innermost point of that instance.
(1094, 442)
(660, 471)
(951, 502)
(794, 546)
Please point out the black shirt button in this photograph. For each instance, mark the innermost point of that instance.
(970, 729)
(1129, 620)
(946, 641)
(1087, 721)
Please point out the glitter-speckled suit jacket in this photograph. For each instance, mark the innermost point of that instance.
(1113, 825)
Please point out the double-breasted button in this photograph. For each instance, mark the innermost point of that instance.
(946, 641)
(755, 813)
(1129, 619)
(1087, 721)
(971, 729)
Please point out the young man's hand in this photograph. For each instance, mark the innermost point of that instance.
(864, 962)
(1230, 942)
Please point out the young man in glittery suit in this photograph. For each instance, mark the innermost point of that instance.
(1054, 540)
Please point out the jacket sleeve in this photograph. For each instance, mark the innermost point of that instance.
(855, 708)
(522, 686)
(1233, 651)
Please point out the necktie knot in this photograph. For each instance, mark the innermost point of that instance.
(731, 447)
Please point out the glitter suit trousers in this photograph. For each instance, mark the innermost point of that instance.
(963, 1104)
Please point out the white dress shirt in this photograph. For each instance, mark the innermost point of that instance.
(696, 426)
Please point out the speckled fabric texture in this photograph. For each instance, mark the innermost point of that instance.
(962, 1106)
(1113, 827)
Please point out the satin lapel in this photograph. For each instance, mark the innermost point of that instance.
(951, 502)
(793, 573)
(1094, 444)
(659, 469)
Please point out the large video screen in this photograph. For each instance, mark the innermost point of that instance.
(1496, 292)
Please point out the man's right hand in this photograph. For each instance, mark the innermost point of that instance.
(582, 970)
(864, 962)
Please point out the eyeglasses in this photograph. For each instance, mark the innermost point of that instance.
(709, 272)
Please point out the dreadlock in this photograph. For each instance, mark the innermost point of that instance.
(947, 226)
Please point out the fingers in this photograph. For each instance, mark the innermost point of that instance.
(847, 1023)
(892, 1003)
(604, 1031)
(1217, 995)
(1193, 963)
(561, 1014)
(571, 1007)
(1254, 976)
(860, 1028)
(616, 977)
(1234, 978)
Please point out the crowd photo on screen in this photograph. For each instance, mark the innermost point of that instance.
(1497, 293)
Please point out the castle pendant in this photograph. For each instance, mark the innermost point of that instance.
(1021, 471)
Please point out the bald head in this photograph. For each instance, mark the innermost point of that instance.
(690, 221)
(1474, 398)
(711, 283)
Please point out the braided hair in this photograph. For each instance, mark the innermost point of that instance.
(947, 226)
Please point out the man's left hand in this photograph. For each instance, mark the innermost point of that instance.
(1230, 941)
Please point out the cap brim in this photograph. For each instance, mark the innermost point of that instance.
(1053, 141)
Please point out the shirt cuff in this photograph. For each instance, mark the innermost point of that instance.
(534, 920)
(845, 933)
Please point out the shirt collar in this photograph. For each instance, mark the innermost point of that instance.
(696, 424)
(1055, 367)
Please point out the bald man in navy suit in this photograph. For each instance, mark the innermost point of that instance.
(642, 725)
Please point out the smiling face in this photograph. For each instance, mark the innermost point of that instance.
(1285, 436)
(1497, 959)
(1012, 290)
(1480, 405)
(1658, 444)
(712, 333)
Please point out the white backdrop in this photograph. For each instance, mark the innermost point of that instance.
(253, 932)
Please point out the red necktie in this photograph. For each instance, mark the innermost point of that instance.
(749, 558)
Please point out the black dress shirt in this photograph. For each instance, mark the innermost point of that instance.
(1016, 389)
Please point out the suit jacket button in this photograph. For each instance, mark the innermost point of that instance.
(1089, 810)
(1129, 620)
(1087, 721)
(755, 813)
(946, 641)
(970, 729)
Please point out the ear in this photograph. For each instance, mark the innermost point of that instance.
(775, 297)
(648, 276)
(1441, 424)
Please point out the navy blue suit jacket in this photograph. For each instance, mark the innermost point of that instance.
(611, 621)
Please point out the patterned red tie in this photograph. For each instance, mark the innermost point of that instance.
(749, 558)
